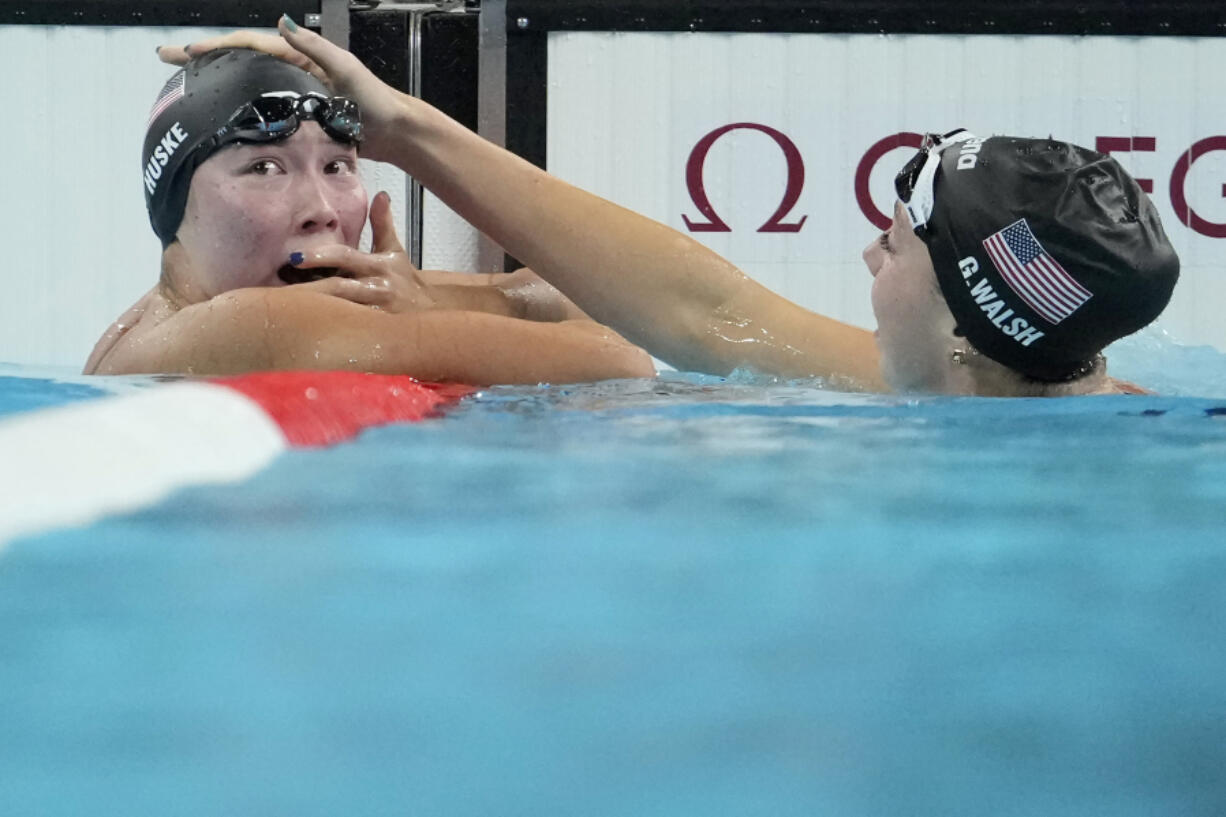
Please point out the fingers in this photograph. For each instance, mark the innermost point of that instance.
(367, 291)
(258, 41)
(340, 256)
(255, 40)
(173, 54)
(330, 58)
(383, 226)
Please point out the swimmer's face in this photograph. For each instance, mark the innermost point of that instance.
(914, 326)
(250, 206)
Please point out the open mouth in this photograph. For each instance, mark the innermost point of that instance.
(296, 275)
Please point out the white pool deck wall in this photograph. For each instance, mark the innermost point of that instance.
(625, 112)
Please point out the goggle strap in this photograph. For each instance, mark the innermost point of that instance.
(920, 203)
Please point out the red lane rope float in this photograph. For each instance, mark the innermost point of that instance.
(74, 464)
(322, 408)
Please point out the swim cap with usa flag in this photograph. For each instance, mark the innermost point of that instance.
(197, 100)
(1046, 252)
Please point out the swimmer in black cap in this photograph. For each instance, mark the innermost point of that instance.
(1010, 264)
(1043, 253)
(249, 165)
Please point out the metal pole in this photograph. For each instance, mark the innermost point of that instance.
(492, 102)
(414, 193)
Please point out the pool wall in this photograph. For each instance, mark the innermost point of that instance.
(765, 130)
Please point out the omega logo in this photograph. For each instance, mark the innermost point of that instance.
(698, 190)
(908, 139)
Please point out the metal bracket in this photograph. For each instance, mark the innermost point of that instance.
(406, 5)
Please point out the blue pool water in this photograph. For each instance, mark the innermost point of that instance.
(686, 597)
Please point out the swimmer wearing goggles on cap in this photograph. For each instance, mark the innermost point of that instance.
(1010, 263)
(251, 181)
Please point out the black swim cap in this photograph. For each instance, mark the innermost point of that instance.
(200, 98)
(1046, 252)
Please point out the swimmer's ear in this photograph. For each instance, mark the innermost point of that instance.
(383, 226)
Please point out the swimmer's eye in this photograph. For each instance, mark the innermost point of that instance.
(884, 241)
(339, 167)
(264, 167)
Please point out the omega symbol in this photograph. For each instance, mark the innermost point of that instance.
(698, 191)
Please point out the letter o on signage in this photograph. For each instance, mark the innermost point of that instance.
(1184, 211)
(905, 139)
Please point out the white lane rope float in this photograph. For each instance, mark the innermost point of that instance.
(72, 465)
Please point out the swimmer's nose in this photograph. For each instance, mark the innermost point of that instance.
(872, 257)
(316, 212)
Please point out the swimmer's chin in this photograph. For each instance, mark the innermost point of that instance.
(299, 275)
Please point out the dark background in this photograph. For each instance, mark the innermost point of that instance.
(1150, 17)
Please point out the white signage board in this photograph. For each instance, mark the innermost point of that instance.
(778, 151)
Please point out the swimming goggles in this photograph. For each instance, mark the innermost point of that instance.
(915, 182)
(273, 117)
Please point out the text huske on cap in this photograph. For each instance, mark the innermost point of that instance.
(170, 142)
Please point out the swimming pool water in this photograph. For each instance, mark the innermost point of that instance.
(690, 596)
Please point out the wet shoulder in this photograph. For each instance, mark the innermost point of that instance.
(134, 321)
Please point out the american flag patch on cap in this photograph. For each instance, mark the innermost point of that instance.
(171, 93)
(1036, 277)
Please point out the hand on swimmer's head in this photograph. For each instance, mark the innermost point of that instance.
(382, 106)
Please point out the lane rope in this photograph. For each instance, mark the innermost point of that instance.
(72, 465)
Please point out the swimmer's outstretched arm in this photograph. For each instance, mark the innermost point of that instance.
(684, 303)
(663, 290)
